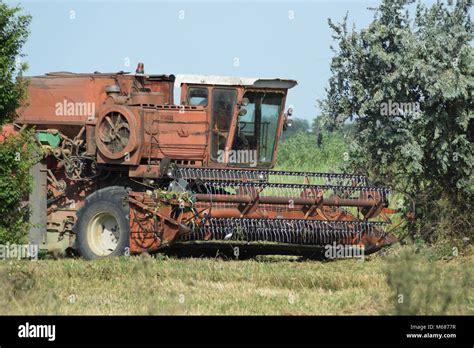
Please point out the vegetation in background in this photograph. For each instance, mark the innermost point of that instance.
(16, 153)
(299, 126)
(14, 30)
(407, 85)
(303, 152)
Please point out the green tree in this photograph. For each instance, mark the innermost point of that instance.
(13, 34)
(407, 85)
(16, 152)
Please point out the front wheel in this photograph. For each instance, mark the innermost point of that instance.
(103, 227)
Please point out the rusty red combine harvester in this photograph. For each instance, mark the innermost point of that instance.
(127, 170)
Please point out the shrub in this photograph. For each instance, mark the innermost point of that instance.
(17, 154)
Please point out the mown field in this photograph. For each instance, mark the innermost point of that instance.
(403, 282)
(398, 280)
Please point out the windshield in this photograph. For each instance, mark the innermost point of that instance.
(257, 129)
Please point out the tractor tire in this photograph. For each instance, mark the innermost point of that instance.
(103, 226)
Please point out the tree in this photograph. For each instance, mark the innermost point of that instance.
(13, 34)
(407, 85)
(17, 153)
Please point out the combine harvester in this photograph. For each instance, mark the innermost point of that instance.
(128, 171)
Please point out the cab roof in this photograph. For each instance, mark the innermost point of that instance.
(235, 81)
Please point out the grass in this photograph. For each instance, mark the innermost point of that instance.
(267, 285)
(301, 153)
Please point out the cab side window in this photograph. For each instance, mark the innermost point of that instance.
(197, 96)
(223, 105)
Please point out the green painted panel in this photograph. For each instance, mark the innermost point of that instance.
(46, 138)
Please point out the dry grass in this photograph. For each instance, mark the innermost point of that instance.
(162, 285)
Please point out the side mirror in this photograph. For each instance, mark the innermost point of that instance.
(242, 112)
(244, 101)
(288, 123)
(289, 112)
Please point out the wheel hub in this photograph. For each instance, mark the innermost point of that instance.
(104, 233)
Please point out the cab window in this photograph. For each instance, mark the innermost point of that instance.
(197, 96)
(257, 129)
(223, 106)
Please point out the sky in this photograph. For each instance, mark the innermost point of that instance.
(267, 38)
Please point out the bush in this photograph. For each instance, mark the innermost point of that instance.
(17, 155)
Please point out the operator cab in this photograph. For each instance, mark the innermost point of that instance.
(246, 117)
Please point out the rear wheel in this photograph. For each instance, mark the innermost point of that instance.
(103, 226)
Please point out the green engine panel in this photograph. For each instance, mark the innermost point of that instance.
(48, 138)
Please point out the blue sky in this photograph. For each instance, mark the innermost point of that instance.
(240, 38)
